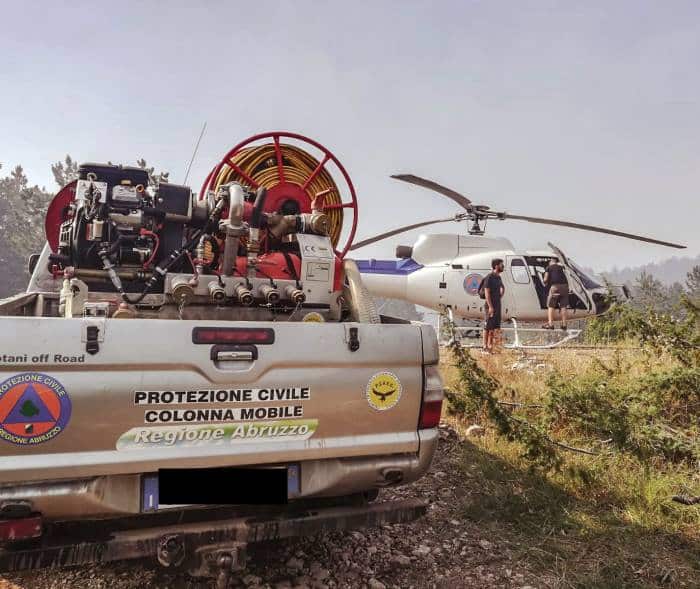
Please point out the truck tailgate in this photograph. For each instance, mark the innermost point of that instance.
(150, 398)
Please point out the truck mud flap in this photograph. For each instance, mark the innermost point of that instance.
(203, 548)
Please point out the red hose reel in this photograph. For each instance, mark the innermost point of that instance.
(282, 189)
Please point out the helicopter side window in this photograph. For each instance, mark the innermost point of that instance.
(519, 271)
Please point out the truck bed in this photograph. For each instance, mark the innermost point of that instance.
(89, 407)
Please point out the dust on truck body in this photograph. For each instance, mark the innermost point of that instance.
(165, 331)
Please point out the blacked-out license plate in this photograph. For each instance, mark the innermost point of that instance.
(220, 486)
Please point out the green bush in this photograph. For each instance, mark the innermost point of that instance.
(647, 409)
(621, 322)
(650, 416)
(477, 396)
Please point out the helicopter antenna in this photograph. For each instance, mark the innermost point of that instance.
(194, 153)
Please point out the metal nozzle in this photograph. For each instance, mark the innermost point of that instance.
(296, 295)
(316, 222)
(217, 292)
(319, 223)
(234, 228)
(244, 295)
(270, 294)
(181, 291)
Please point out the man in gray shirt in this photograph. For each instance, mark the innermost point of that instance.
(555, 279)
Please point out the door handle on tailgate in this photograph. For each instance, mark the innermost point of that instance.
(233, 355)
(227, 353)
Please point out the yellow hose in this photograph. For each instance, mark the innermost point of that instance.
(260, 164)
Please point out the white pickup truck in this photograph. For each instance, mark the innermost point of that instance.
(97, 397)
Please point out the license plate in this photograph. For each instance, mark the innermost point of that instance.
(151, 485)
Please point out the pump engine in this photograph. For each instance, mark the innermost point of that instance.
(262, 233)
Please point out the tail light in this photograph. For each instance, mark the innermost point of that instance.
(12, 530)
(431, 408)
(233, 335)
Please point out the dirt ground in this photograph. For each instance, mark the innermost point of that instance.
(443, 549)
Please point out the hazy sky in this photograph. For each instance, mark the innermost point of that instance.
(587, 111)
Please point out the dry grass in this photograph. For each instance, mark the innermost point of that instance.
(603, 521)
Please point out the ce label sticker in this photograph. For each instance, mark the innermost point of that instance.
(383, 391)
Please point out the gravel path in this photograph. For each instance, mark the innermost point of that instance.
(440, 550)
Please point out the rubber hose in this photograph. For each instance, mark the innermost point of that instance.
(362, 307)
(260, 164)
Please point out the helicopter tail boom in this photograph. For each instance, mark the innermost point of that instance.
(387, 278)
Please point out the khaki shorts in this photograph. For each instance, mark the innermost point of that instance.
(558, 296)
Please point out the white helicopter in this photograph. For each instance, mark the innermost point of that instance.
(443, 271)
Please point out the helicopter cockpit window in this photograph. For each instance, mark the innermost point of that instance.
(586, 280)
(519, 272)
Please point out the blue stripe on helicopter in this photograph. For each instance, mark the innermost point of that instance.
(396, 267)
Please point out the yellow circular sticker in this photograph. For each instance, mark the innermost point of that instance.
(383, 391)
(314, 317)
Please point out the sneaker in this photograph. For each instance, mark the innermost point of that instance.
(563, 327)
(548, 326)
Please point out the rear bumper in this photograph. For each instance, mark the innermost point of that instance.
(118, 495)
(204, 547)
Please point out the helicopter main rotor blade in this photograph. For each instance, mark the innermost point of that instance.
(403, 229)
(460, 199)
(588, 228)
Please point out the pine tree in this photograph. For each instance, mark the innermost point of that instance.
(650, 294)
(22, 210)
(65, 171)
(153, 178)
(24, 217)
(692, 282)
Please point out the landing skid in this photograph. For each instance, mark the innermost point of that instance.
(514, 338)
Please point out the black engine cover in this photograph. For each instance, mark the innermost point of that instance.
(175, 200)
(114, 176)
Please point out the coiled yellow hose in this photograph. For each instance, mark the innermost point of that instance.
(260, 164)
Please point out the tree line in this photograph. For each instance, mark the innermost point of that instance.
(649, 293)
(23, 207)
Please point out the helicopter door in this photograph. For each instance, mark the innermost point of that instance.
(519, 289)
(575, 284)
